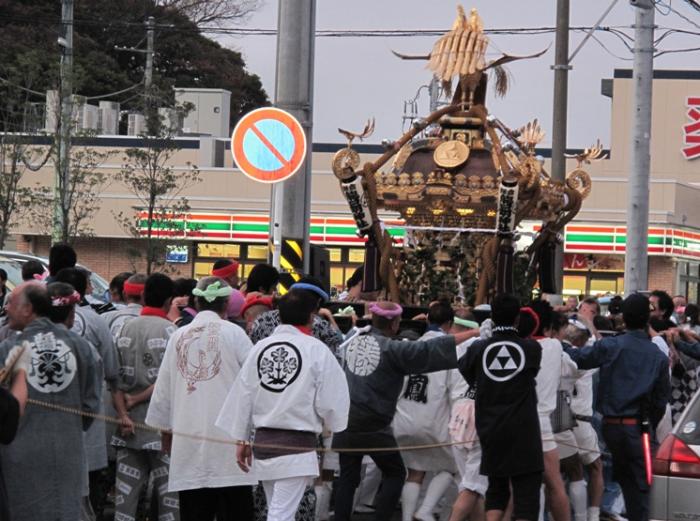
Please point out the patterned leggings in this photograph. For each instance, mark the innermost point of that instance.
(133, 470)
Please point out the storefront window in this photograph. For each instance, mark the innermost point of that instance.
(603, 286)
(335, 254)
(338, 277)
(356, 255)
(257, 252)
(574, 284)
(202, 269)
(218, 250)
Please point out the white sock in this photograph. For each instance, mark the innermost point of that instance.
(323, 501)
(436, 489)
(593, 513)
(578, 493)
(409, 500)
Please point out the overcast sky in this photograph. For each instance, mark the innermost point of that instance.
(358, 78)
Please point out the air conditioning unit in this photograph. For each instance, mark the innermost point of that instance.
(137, 124)
(108, 118)
(88, 116)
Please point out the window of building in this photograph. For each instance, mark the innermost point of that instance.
(257, 252)
(356, 255)
(574, 285)
(218, 250)
(335, 254)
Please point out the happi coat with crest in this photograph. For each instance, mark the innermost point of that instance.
(45, 467)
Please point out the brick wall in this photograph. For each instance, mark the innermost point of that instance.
(662, 274)
(106, 257)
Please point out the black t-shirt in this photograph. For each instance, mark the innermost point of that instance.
(503, 370)
(9, 419)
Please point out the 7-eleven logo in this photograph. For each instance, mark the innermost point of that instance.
(691, 131)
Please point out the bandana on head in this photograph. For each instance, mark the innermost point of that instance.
(528, 310)
(213, 291)
(579, 325)
(375, 309)
(63, 301)
(41, 277)
(311, 287)
(226, 271)
(256, 300)
(133, 288)
(466, 323)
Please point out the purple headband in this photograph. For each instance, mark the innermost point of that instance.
(386, 313)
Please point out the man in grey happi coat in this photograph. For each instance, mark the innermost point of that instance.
(375, 365)
(93, 328)
(133, 298)
(141, 346)
(44, 467)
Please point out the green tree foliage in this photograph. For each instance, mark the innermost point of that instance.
(29, 55)
(157, 221)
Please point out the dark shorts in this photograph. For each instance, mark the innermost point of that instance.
(526, 495)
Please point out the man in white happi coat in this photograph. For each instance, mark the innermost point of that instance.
(201, 363)
(422, 418)
(555, 364)
(141, 345)
(289, 390)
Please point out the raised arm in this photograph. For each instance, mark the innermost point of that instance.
(592, 356)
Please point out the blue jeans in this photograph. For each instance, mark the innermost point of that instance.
(612, 489)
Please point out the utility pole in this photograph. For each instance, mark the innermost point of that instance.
(636, 254)
(149, 113)
(291, 199)
(66, 123)
(561, 69)
(148, 76)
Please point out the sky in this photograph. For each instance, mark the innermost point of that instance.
(359, 78)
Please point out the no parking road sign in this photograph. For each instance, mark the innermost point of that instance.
(268, 145)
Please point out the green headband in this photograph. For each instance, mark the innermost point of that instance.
(466, 323)
(213, 291)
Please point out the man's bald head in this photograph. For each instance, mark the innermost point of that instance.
(27, 302)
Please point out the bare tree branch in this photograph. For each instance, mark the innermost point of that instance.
(213, 12)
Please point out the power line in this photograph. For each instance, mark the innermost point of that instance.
(30, 91)
(675, 11)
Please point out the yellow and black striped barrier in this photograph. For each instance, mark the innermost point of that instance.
(291, 263)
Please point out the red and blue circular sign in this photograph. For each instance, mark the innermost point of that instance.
(268, 145)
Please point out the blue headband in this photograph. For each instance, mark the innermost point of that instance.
(311, 287)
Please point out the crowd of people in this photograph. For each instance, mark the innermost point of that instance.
(211, 399)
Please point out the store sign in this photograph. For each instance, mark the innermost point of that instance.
(691, 131)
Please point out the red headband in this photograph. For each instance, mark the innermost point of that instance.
(256, 300)
(133, 288)
(528, 310)
(226, 271)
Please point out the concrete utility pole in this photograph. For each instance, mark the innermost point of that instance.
(561, 69)
(636, 255)
(66, 122)
(148, 75)
(148, 78)
(291, 199)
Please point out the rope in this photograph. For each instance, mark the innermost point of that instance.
(223, 441)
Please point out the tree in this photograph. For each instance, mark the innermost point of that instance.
(16, 199)
(147, 172)
(216, 12)
(184, 56)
